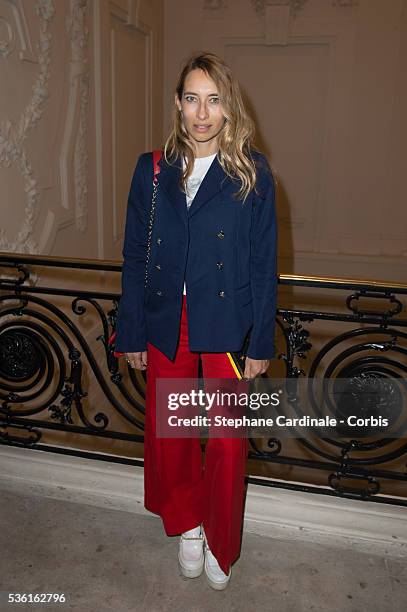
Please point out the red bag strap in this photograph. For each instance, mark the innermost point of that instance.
(157, 154)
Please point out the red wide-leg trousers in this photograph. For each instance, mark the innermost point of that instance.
(178, 485)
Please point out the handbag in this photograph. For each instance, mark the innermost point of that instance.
(238, 358)
(156, 158)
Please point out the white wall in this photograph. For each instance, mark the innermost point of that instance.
(326, 83)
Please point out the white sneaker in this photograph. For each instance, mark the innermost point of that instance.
(216, 577)
(190, 553)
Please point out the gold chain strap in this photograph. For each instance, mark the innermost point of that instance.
(150, 227)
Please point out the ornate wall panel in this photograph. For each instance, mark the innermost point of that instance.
(20, 112)
(76, 111)
(291, 99)
(128, 105)
(74, 146)
(131, 96)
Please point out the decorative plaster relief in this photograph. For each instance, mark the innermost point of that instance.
(79, 33)
(16, 32)
(276, 16)
(12, 136)
(260, 5)
(7, 43)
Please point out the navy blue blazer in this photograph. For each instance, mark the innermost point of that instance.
(225, 250)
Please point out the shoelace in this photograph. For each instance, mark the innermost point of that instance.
(192, 537)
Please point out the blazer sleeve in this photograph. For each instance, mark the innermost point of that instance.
(130, 324)
(263, 268)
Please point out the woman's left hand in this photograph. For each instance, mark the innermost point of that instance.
(255, 367)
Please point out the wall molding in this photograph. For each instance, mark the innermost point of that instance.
(74, 156)
(19, 34)
(294, 5)
(269, 511)
(260, 6)
(7, 44)
(131, 20)
(326, 46)
(276, 16)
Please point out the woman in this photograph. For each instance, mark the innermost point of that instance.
(212, 278)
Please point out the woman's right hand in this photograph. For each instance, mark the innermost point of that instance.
(137, 361)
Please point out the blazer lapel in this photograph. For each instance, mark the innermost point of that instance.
(169, 181)
(169, 178)
(214, 180)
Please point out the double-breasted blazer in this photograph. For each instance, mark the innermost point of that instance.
(224, 249)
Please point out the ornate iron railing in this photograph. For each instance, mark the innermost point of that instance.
(44, 349)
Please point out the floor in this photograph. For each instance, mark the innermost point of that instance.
(103, 559)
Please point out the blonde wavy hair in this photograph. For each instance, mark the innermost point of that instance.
(235, 140)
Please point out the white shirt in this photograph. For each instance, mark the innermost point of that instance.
(201, 167)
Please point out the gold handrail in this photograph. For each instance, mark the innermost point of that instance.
(288, 279)
(378, 284)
